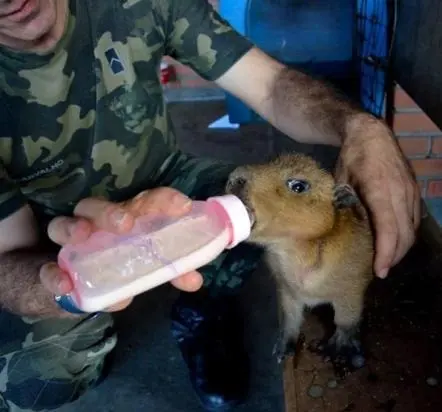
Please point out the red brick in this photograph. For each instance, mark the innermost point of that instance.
(413, 123)
(427, 167)
(414, 146)
(434, 188)
(402, 100)
(436, 148)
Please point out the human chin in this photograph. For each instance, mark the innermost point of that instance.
(41, 23)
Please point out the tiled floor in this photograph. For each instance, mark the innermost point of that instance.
(403, 336)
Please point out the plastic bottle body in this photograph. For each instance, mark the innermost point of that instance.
(109, 268)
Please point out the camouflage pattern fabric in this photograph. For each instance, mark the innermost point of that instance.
(89, 118)
(45, 364)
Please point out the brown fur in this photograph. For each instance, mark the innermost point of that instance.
(316, 106)
(319, 248)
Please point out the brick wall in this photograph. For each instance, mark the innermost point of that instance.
(421, 141)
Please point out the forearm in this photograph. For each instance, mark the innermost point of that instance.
(310, 110)
(306, 109)
(21, 291)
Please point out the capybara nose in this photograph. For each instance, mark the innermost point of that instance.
(237, 181)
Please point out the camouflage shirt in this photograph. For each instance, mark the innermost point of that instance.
(88, 118)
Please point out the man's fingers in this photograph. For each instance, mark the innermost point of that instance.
(98, 214)
(120, 306)
(120, 218)
(406, 238)
(402, 202)
(54, 279)
(105, 215)
(385, 252)
(58, 283)
(405, 228)
(410, 190)
(62, 230)
(386, 230)
(164, 200)
(417, 209)
(190, 282)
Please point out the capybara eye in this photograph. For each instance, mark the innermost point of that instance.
(298, 186)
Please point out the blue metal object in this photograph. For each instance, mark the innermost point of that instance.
(343, 41)
(66, 303)
(372, 53)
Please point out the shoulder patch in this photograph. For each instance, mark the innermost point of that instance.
(115, 63)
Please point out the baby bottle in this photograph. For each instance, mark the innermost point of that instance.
(108, 268)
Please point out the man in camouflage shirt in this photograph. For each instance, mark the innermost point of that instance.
(84, 132)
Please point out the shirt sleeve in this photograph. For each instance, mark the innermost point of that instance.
(11, 198)
(200, 38)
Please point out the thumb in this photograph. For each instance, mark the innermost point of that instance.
(55, 280)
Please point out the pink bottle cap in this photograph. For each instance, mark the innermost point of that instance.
(238, 216)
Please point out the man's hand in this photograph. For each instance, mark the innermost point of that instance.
(372, 162)
(94, 214)
(311, 111)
